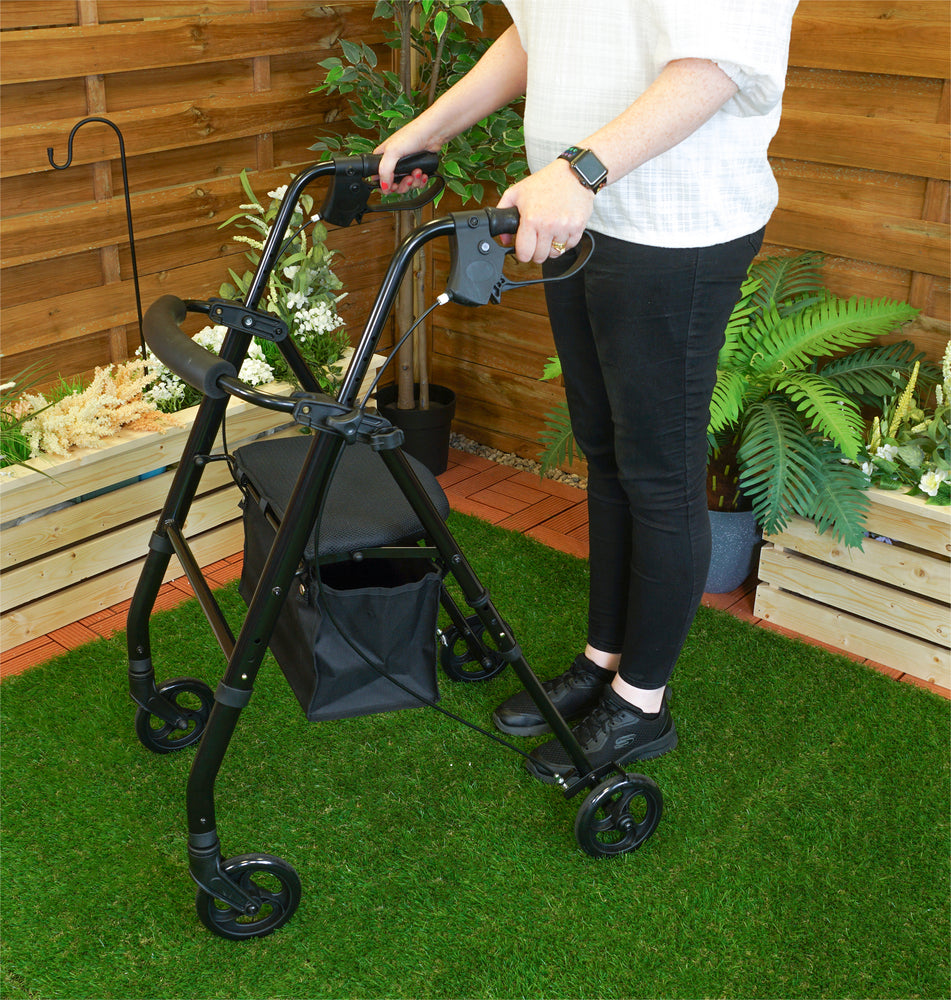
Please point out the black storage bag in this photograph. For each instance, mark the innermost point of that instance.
(386, 608)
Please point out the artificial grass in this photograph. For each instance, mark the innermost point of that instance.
(803, 850)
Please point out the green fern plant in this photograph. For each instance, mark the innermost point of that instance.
(785, 420)
(791, 377)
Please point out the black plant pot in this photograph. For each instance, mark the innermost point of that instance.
(425, 432)
(735, 543)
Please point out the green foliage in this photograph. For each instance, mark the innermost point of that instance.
(909, 443)
(302, 288)
(15, 412)
(489, 156)
(789, 397)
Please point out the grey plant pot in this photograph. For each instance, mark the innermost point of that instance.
(735, 544)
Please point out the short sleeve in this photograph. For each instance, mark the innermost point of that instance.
(747, 39)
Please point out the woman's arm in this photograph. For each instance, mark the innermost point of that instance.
(554, 206)
(497, 78)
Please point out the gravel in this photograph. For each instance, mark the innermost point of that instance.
(465, 444)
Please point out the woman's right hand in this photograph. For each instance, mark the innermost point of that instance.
(412, 138)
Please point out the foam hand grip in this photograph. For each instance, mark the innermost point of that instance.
(178, 352)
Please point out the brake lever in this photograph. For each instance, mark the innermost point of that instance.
(476, 275)
(348, 196)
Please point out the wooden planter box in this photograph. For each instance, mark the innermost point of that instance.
(84, 535)
(889, 602)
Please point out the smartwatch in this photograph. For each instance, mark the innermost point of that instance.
(589, 170)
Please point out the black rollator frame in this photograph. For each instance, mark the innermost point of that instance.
(251, 895)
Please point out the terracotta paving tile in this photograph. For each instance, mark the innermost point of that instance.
(110, 625)
(465, 505)
(896, 675)
(455, 474)
(570, 520)
(468, 459)
(169, 597)
(519, 491)
(480, 481)
(937, 689)
(552, 486)
(494, 497)
(537, 514)
(29, 654)
(71, 636)
(556, 540)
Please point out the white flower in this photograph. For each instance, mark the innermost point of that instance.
(887, 451)
(278, 195)
(867, 468)
(931, 481)
(290, 271)
(296, 300)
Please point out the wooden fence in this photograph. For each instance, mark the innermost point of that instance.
(204, 88)
(200, 91)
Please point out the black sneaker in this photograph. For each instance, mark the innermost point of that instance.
(574, 693)
(615, 731)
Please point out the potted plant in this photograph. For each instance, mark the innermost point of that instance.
(785, 421)
(434, 52)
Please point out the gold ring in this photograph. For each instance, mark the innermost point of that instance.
(560, 247)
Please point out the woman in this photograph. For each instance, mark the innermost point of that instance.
(647, 122)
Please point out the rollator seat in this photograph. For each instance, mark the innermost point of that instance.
(365, 507)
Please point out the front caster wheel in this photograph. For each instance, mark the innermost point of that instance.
(193, 699)
(619, 815)
(273, 887)
(457, 654)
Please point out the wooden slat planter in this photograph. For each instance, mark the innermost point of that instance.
(889, 602)
(75, 558)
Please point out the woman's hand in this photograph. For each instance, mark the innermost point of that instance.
(412, 138)
(553, 209)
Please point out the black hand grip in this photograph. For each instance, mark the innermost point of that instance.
(178, 352)
(502, 220)
(425, 161)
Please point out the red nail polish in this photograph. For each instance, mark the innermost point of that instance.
(384, 185)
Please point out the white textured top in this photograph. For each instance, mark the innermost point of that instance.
(588, 60)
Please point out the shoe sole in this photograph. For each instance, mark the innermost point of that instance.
(649, 751)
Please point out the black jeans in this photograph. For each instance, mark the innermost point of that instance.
(638, 331)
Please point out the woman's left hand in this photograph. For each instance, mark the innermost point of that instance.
(554, 208)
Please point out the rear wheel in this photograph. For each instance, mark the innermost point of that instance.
(619, 815)
(194, 701)
(274, 890)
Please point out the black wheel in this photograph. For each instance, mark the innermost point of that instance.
(457, 654)
(619, 815)
(271, 883)
(194, 700)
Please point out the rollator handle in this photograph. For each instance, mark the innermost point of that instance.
(475, 272)
(201, 369)
(348, 198)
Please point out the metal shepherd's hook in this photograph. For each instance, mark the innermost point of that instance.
(128, 204)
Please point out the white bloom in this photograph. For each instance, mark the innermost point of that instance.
(867, 467)
(931, 481)
(296, 300)
(278, 195)
(887, 451)
(290, 271)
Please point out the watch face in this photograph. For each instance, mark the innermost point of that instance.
(590, 168)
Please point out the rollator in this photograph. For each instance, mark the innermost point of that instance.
(347, 554)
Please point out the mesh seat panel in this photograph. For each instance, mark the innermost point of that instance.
(364, 507)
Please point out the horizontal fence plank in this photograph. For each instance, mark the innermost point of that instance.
(913, 244)
(873, 36)
(84, 50)
(161, 127)
(918, 148)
